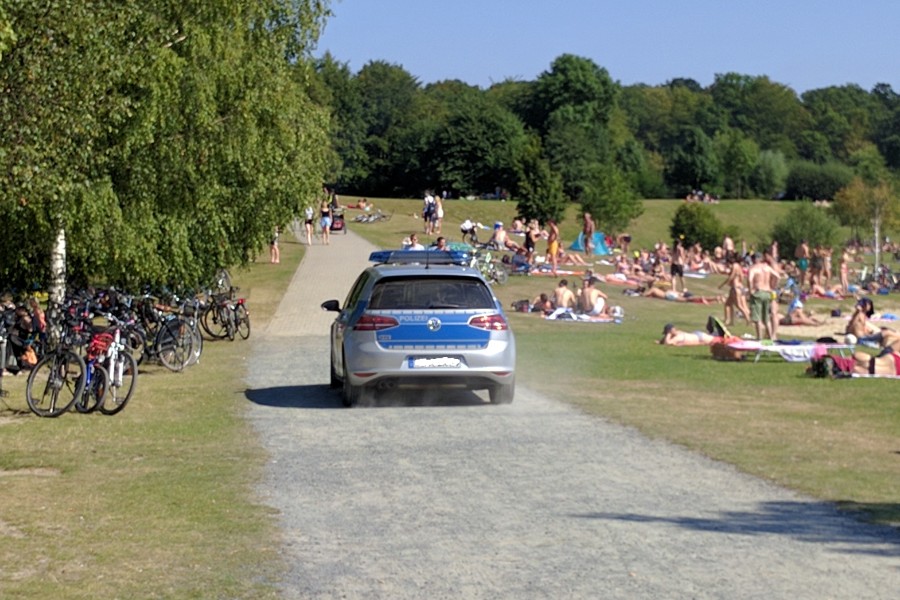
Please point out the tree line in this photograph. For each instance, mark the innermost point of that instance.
(154, 141)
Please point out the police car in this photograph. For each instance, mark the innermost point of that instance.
(421, 319)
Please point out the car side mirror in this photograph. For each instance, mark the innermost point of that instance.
(331, 306)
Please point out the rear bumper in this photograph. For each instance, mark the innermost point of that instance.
(392, 369)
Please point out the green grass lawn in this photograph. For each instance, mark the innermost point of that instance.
(158, 500)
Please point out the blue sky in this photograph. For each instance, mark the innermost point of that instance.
(803, 44)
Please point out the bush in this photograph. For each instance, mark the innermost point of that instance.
(810, 181)
(805, 222)
(697, 223)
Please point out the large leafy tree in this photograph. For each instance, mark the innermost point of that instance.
(609, 197)
(690, 160)
(767, 111)
(164, 139)
(389, 104)
(738, 156)
(573, 81)
(540, 188)
(479, 150)
(842, 115)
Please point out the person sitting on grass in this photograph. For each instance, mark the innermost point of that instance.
(797, 316)
(859, 329)
(591, 301)
(542, 304)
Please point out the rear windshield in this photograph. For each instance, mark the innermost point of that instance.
(412, 293)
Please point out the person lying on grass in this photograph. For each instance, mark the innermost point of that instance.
(886, 363)
(672, 295)
(672, 336)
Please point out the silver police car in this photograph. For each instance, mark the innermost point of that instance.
(421, 319)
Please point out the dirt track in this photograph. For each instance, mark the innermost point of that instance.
(450, 497)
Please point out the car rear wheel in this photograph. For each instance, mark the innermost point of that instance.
(351, 394)
(335, 381)
(502, 393)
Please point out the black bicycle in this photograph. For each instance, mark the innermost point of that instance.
(58, 380)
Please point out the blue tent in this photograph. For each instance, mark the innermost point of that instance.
(600, 247)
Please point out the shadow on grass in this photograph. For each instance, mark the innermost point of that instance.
(813, 522)
(323, 397)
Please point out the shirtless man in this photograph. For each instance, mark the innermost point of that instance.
(672, 336)
(774, 280)
(588, 234)
(591, 301)
(801, 254)
(760, 278)
(563, 297)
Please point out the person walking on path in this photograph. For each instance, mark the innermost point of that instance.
(325, 221)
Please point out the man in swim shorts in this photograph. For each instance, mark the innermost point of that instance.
(591, 301)
(761, 276)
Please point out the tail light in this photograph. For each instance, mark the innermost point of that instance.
(494, 322)
(375, 323)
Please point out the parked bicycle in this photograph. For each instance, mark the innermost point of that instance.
(58, 380)
(225, 316)
(121, 367)
(490, 269)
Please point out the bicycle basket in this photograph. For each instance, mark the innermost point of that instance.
(99, 345)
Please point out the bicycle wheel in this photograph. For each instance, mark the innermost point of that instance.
(136, 345)
(55, 383)
(92, 395)
(173, 344)
(211, 322)
(196, 345)
(242, 316)
(123, 381)
(500, 275)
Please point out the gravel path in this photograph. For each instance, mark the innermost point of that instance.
(450, 497)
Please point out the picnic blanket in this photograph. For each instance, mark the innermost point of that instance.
(570, 316)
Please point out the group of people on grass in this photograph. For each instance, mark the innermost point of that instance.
(587, 300)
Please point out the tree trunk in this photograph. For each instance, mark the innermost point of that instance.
(877, 223)
(58, 267)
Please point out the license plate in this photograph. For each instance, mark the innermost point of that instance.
(438, 362)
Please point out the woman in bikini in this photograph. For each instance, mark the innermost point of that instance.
(845, 271)
(553, 245)
(736, 298)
